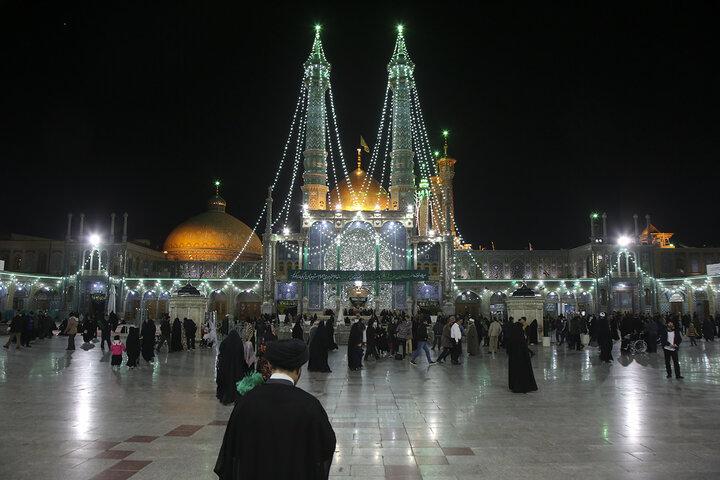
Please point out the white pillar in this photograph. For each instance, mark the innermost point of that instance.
(68, 235)
(124, 235)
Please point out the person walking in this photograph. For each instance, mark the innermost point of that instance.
(494, 332)
(422, 338)
(521, 378)
(437, 334)
(473, 340)
(370, 341)
(456, 336)
(71, 330)
(190, 331)
(15, 333)
(117, 348)
(104, 325)
(671, 340)
(147, 337)
(691, 334)
(604, 338)
(446, 340)
(133, 347)
(404, 330)
(165, 332)
(277, 430)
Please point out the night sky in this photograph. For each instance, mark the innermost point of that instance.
(553, 113)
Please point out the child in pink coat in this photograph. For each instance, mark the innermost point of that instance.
(117, 347)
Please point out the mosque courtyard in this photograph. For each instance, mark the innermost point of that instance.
(69, 415)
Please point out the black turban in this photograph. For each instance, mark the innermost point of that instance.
(287, 354)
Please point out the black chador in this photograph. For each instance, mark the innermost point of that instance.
(355, 340)
(176, 336)
(231, 367)
(132, 347)
(148, 340)
(297, 331)
(604, 338)
(521, 378)
(319, 351)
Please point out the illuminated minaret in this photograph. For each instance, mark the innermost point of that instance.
(317, 81)
(402, 174)
(446, 172)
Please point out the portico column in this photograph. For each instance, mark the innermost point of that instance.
(300, 286)
(415, 255)
(711, 299)
(10, 295)
(690, 299)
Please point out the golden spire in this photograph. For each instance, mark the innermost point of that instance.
(217, 188)
(445, 134)
(359, 159)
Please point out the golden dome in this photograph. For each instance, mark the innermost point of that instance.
(213, 236)
(367, 194)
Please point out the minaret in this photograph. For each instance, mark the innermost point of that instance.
(423, 220)
(317, 81)
(402, 175)
(446, 172)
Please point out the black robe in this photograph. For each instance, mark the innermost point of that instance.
(355, 351)
(521, 378)
(148, 340)
(708, 330)
(276, 431)
(132, 347)
(330, 328)
(176, 336)
(318, 361)
(604, 339)
(651, 335)
(532, 332)
(297, 331)
(87, 334)
(231, 368)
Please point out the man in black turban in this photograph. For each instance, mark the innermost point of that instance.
(281, 415)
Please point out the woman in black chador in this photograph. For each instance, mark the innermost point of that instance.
(132, 347)
(318, 361)
(297, 331)
(521, 378)
(148, 340)
(330, 329)
(231, 367)
(355, 341)
(604, 338)
(176, 336)
(532, 332)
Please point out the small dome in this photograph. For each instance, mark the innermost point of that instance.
(523, 291)
(188, 291)
(366, 194)
(213, 236)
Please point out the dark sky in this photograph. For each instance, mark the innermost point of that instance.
(553, 113)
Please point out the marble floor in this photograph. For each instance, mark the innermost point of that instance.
(69, 415)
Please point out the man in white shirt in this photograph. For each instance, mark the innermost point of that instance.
(456, 336)
(670, 347)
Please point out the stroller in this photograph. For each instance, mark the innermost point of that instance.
(633, 343)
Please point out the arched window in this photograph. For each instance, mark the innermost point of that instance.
(434, 268)
(281, 268)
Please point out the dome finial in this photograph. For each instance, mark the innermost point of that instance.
(217, 187)
(445, 135)
(359, 159)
